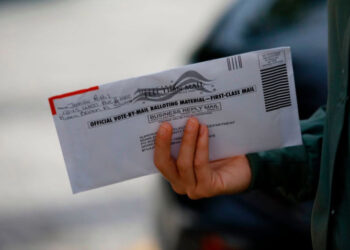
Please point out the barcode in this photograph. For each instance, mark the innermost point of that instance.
(234, 62)
(275, 87)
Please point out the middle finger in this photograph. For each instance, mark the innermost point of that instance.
(187, 151)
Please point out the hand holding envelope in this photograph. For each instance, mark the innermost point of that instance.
(192, 173)
(247, 102)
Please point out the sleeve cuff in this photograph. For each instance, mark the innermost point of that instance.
(255, 163)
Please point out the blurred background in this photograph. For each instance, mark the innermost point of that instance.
(49, 47)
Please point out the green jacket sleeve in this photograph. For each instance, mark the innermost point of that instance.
(293, 171)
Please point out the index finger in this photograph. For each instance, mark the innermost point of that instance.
(162, 153)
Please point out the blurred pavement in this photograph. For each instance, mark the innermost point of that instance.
(52, 47)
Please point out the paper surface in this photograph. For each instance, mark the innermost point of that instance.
(107, 132)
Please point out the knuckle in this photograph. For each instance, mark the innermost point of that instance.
(201, 192)
(198, 163)
(220, 191)
(205, 194)
(189, 137)
(156, 162)
(162, 162)
(193, 196)
(182, 163)
(195, 193)
(188, 132)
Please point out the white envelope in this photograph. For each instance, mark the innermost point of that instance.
(107, 132)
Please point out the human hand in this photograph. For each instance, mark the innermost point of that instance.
(192, 173)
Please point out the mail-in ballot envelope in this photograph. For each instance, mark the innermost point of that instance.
(247, 101)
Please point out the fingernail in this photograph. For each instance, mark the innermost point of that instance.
(202, 129)
(163, 129)
(191, 123)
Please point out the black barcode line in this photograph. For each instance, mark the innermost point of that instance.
(275, 87)
(276, 102)
(271, 78)
(271, 108)
(228, 64)
(281, 95)
(276, 84)
(275, 77)
(280, 101)
(275, 90)
(279, 106)
(268, 93)
(274, 80)
(273, 72)
(273, 68)
(270, 83)
(234, 63)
